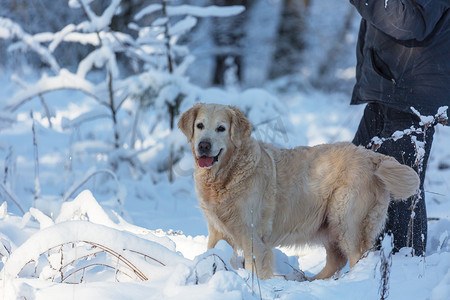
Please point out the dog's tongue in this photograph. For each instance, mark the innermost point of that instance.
(205, 162)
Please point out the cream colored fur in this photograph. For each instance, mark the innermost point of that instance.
(336, 195)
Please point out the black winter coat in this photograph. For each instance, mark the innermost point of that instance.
(403, 54)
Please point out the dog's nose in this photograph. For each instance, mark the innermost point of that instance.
(204, 147)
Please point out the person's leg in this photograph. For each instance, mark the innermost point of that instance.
(371, 125)
(383, 122)
(400, 211)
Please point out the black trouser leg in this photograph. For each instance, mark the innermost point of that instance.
(371, 125)
(382, 121)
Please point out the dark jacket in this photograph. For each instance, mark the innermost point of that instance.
(403, 54)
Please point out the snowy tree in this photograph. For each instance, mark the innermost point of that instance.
(151, 48)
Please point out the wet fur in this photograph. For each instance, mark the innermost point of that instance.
(334, 194)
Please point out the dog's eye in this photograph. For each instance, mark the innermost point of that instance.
(200, 126)
(220, 129)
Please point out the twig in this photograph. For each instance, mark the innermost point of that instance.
(113, 109)
(425, 123)
(135, 125)
(257, 278)
(253, 261)
(47, 110)
(254, 269)
(135, 54)
(105, 249)
(69, 167)
(385, 269)
(129, 264)
(85, 10)
(437, 194)
(81, 257)
(93, 265)
(170, 68)
(111, 105)
(37, 185)
(146, 256)
(14, 106)
(89, 176)
(12, 197)
(167, 36)
(8, 169)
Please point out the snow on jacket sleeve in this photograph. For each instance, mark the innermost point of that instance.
(403, 19)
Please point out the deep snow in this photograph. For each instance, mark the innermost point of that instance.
(149, 222)
(168, 214)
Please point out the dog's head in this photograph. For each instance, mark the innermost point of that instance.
(214, 131)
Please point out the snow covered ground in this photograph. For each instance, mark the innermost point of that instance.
(167, 214)
(126, 238)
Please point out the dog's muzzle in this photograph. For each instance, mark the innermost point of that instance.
(206, 161)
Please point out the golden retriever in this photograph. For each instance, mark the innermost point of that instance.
(256, 196)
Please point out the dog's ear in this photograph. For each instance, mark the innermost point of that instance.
(187, 119)
(240, 126)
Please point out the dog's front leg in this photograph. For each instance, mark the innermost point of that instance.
(213, 236)
(258, 258)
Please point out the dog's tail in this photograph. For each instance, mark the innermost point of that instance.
(400, 180)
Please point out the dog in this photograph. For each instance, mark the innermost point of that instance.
(256, 196)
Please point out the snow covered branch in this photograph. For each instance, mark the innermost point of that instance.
(9, 30)
(64, 80)
(425, 123)
(97, 23)
(122, 245)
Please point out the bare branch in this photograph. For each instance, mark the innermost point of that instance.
(37, 185)
(12, 197)
(129, 264)
(89, 176)
(94, 265)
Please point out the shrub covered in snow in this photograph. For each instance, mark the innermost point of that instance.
(121, 122)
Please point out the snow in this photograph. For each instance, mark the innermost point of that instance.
(64, 80)
(10, 30)
(209, 11)
(148, 11)
(195, 11)
(3, 210)
(425, 119)
(98, 23)
(183, 26)
(112, 225)
(97, 59)
(205, 274)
